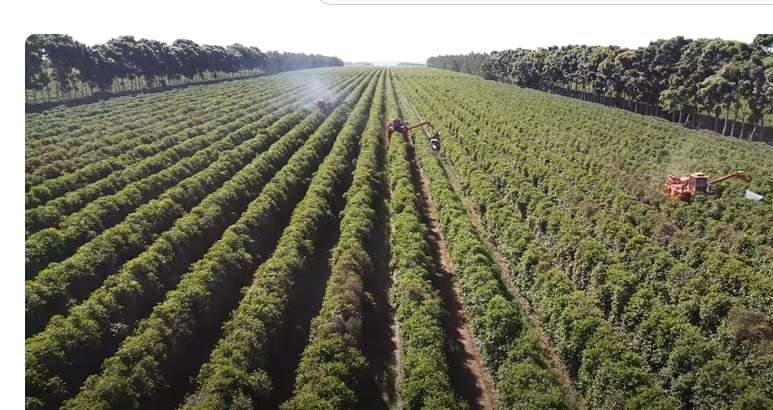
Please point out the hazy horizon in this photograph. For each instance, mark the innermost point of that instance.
(354, 34)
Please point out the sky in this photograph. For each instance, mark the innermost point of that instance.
(408, 33)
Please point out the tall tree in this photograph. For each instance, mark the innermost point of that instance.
(36, 74)
(62, 55)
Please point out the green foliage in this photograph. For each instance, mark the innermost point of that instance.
(167, 234)
(56, 287)
(332, 363)
(624, 279)
(202, 294)
(239, 352)
(123, 297)
(496, 321)
(423, 380)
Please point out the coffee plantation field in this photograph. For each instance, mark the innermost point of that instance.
(230, 246)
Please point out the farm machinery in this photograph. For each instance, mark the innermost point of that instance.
(683, 188)
(403, 127)
(434, 140)
(327, 107)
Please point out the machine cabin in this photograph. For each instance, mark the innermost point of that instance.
(698, 182)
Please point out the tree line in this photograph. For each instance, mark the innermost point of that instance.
(683, 77)
(56, 61)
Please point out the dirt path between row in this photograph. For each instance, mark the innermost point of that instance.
(395, 360)
(555, 362)
(468, 375)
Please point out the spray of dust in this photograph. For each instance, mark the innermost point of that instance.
(677, 161)
(315, 87)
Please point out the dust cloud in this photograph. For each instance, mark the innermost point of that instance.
(315, 87)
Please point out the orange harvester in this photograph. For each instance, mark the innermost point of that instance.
(402, 127)
(683, 188)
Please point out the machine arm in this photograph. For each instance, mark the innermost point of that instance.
(736, 174)
(419, 125)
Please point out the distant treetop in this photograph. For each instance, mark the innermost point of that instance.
(58, 59)
(682, 75)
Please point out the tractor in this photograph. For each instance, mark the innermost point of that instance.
(327, 107)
